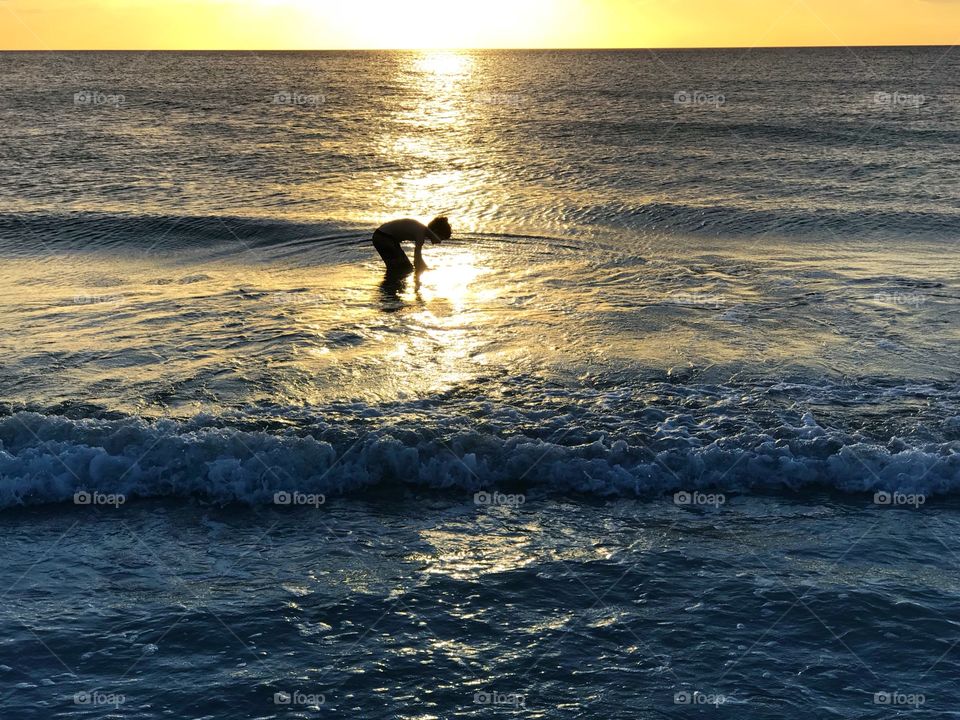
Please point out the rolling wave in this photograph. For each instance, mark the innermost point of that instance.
(24, 233)
(730, 220)
(50, 458)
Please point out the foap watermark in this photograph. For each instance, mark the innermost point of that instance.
(695, 697)
(298, 498)
(899, 499)
(99, 699)
(699, 98)
(299, 99)
(299, 698)
(514, 700)
(898, 100)
(498, 499)
(88, 299)
(697, 299)
(96, 98)
(295, 299)
(907, 299)
(898, 699)
(83, 497)
(695, 498)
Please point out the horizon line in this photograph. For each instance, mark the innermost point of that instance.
(485, 49)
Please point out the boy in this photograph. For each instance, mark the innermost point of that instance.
(388, 237)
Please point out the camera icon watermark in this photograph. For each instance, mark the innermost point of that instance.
(498, 499)
(84, 497)
(898, 699)
(514, 700)
(99, 699)
(695, 697)
(699, 98)
(95, 98)
(299, 99)
(899, 499)
(299, 698)
(699, 499)
(298, 498)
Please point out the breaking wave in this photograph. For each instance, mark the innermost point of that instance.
(49, 458)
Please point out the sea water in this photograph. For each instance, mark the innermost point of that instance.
(670, 427)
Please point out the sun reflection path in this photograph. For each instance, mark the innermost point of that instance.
(430, 136)
(448, 65)
(451, 320)
(452, 278)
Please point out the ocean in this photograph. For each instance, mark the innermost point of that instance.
(670, 428)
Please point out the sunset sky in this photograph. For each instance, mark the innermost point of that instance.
(336, 24)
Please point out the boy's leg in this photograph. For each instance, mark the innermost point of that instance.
(393, 255)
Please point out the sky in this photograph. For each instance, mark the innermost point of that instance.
(362, 24)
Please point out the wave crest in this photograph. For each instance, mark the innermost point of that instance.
(46, 459)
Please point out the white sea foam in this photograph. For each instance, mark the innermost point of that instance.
(47, 459)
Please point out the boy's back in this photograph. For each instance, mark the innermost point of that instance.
(406, 229)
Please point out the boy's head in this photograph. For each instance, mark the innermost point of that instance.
(441, 228)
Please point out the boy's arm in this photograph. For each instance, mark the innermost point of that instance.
(418, 262)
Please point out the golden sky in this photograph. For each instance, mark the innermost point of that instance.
(335, 24)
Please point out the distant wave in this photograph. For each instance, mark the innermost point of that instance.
(24, 233)
(47, 459)
(33, 233)
(744, 221)
(721, 130)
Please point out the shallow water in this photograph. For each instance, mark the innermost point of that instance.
(622, 372)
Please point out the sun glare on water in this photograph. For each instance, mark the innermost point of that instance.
(430, 135)
(444, 64)
(453, 278)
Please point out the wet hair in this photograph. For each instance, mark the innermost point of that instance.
(441, 228)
